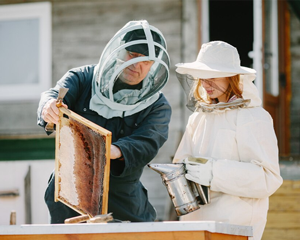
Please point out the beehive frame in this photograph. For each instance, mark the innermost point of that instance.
(82, 164)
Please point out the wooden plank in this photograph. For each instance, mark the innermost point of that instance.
(82, 164)
(220, 236)
(283, 220)
(289, 187)
(27, 186)
(281, 234)
(284, 203)
(284, 213)
(190, 235)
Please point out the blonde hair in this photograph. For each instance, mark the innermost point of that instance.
(233, 89)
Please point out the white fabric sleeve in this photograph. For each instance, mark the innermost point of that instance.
(257, 174)
(184, 149)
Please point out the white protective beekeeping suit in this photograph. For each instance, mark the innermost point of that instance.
(143, 39)
(242, 143)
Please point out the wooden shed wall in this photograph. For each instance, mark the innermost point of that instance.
(80, 31)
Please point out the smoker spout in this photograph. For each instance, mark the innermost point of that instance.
(164, 169)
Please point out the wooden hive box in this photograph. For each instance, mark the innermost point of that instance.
(82, 164)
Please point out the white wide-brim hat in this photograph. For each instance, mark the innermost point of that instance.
(216, 59)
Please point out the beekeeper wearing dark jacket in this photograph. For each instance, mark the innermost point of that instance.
(122, 94)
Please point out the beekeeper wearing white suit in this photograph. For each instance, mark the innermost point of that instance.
(234, 133)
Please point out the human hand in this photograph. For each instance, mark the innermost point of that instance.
(115, 152)
(50, 111)
(199, 170)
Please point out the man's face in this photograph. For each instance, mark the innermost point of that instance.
(135, 73)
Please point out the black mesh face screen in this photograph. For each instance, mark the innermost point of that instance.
(213, 83)
(187, 83)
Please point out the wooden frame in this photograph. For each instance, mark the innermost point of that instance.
(82, 164)
(279, 106)
(285, 77)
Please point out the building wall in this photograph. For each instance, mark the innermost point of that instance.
(80, 31)
(284, 214)
(12, 179)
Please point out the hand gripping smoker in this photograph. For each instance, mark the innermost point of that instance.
(186, 195)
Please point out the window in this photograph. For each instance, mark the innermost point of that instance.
(25, 47)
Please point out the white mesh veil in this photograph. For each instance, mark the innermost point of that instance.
(113, 60)
(149, 47)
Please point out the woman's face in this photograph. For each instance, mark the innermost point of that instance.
(216, 88)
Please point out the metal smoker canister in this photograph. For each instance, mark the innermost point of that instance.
(179, 188)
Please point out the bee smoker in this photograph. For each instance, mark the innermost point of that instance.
(186, 195)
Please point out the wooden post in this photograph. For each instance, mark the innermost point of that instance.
(13, 217)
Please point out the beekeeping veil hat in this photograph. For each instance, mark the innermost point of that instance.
(149, 46)
(216, 59)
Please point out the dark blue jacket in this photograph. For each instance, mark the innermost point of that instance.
(139, 137)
